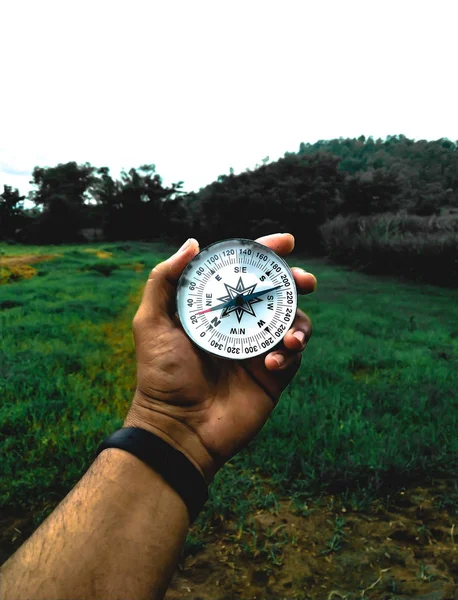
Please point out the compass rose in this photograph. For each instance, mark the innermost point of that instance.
(242, 306)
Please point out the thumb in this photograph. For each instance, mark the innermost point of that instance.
(160, 290)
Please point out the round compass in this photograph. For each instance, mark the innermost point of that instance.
(236, 299)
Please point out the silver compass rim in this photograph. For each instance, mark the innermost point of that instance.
(188, 268)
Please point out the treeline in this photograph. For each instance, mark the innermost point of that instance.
(73, 201)
(323, 194)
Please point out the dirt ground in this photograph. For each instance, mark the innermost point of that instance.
(407, 550)
(320, 550)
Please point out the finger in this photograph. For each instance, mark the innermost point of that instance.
(160, 290)
(283, 361)
(281, 243)
(294, 343)
(301, 330)
(305, 282)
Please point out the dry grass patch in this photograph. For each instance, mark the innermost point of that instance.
(17, 268)
(99, 253)
(16, 273)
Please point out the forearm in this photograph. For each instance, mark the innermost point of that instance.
(118, 534)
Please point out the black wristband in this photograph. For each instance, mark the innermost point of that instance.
(172, 464)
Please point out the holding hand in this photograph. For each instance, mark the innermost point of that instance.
(206, 407)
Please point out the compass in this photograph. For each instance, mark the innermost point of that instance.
(236, 299)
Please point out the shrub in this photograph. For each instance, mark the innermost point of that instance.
(422, 248)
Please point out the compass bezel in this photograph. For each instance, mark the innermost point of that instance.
(183, 282)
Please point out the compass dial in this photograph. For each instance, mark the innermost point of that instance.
(237, 299)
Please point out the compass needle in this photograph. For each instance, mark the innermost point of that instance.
(251, 292)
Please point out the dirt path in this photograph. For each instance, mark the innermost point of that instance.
(24, 259)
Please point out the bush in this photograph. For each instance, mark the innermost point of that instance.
(422, 248)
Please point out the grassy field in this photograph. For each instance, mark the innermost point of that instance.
(67, 365)
(374, 404)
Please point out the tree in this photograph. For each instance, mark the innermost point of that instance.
(424, 173)
(295, 193)
(62, 192)
(371, 192)
(135, 206)
(12, 216)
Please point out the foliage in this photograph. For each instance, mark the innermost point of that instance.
(133, 208)
(299, 192)
(423, 248)
(12, 216)
(424, 174)
(61, 192)
(296, 194)
(75, 197)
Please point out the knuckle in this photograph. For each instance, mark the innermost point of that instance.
(158, 270)
(154, 272)
(137, 321)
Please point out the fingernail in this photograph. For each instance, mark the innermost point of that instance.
(279, 358)
(300, 335)
(303, 271)
(184, 246)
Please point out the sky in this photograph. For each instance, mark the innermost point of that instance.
(198, 87)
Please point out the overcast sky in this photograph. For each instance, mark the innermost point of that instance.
(197, 87)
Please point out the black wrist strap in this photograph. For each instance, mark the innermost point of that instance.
(173, 465)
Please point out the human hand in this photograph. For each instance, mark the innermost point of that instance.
(204, 406)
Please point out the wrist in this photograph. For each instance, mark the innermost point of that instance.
(174, 431)
(163, 459)
(117, 465)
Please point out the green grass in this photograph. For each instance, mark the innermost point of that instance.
(62, 383)
(375, 400)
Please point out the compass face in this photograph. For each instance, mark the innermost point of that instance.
(236, 299)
